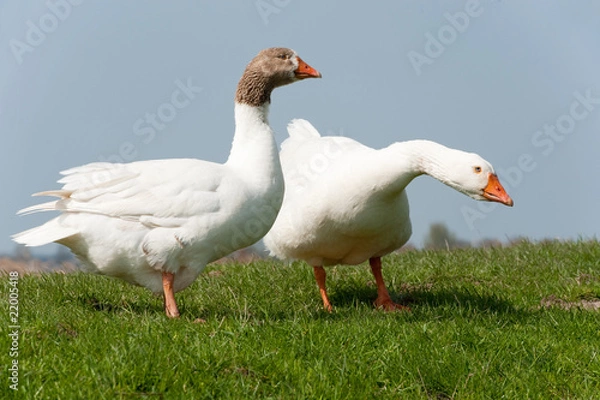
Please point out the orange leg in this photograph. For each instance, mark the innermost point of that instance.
(383, 297)
(320, 276)
(169, 296)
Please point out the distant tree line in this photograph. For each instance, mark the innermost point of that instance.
(439, 237)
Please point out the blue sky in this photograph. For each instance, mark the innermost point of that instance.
(513, 81)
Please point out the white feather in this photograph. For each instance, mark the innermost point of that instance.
(135, 220)
(345, 202)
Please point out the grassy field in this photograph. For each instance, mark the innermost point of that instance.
(519, 322)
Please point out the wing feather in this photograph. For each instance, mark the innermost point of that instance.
(152, 192)
(306, 155)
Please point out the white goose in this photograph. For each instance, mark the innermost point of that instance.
(345, 203)
(158, 223)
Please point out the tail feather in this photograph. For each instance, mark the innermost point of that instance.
(49, 206)
(63, 194)
(302, 129)
(93, 177)
(50, 232)
(87, 168)
(80, 184)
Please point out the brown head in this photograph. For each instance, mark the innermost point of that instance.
(271, 68)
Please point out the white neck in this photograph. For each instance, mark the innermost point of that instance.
(254, 151)
(417, 157)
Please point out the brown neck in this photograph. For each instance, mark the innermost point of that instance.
(253, 89)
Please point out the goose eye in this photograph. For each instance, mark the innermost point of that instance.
(284, 56)
(477, 170)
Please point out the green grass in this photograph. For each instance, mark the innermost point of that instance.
(477, 330)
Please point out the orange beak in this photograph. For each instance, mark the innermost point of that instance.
(495, 192)
(306, 71)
